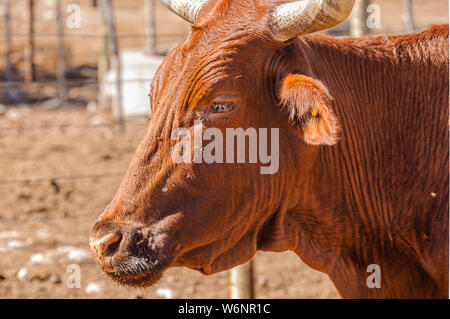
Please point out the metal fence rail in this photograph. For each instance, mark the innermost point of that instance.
(59, 178)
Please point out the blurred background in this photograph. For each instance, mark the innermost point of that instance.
(74, 80)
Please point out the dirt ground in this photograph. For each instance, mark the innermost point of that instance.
(44, 224)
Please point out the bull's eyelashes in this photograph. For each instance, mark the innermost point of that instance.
(215, 108)
(221, 107)
(309, 106)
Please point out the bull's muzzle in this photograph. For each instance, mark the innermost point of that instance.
(130, 254)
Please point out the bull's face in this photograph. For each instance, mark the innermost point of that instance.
(193, 198)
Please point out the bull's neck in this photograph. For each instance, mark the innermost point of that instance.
(346, 173)
(339, 192)
(378, 98)
(356, 189)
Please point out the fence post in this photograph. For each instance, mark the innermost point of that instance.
(242, 281)
(8, 62)
(358, 19)
(151, 28)
(61, 55)
(104, 63)
(29, 49)
(408, 17)
(109, 21)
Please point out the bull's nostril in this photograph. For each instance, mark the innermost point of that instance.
(113, 246)
(108, 245)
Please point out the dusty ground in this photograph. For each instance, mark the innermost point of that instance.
(44, 225)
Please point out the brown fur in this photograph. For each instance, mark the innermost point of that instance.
(340, 204)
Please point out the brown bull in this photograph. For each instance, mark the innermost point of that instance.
(363, 153)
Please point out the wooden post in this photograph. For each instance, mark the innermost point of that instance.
(408, 17)
(29, 49)
(108, 16)
(358, 20)
(151, 28)
(61, 55)
(104, 63)
(12, 93)
(242, 281)
(8, 62)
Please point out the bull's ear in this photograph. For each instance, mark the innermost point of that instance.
(308, 104)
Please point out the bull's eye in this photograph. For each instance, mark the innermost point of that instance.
(221, 107)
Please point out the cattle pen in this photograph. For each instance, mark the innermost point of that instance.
(70, 124)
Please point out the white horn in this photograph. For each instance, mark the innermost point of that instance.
(292, 19)
(187, 9)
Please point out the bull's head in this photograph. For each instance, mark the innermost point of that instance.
(235, 69)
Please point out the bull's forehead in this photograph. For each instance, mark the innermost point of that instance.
(220, 48)
(198, 66)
